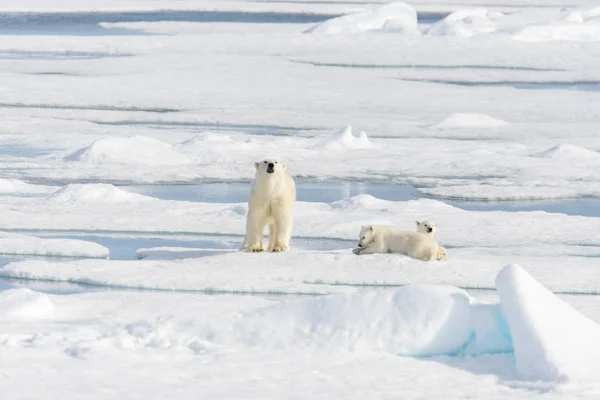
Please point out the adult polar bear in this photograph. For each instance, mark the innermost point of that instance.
(388, 239)
(271, 203)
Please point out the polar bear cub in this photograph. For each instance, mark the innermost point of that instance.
(271, 203)
(426, 227)
(388, 239)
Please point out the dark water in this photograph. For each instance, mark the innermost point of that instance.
(86, 23)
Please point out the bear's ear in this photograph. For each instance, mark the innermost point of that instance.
(256, 165)
(435, 225)
(284, 166)
(418, 223)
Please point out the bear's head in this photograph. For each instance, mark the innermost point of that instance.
(366, 236)
(427, 227)
(269, 166)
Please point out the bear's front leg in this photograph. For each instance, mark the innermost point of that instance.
(254, 231)
(282, 213)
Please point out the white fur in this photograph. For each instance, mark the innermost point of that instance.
(271, 203)
(388, 239)
(426, 227)
(442, 254)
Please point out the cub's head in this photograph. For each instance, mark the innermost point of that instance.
(366, 236)
(269, 166)
(427, 227)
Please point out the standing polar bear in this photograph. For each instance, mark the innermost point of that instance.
(271, 202)
(388, 239)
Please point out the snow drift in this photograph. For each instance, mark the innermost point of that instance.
(465, 23)
(95, 193)
(397, 17)
(469, 120)
(569, 153)
(526, 25)
(552, 341)
(24, 304)
(344, 140)
(135, 150)
(16, 186)
(11, 243)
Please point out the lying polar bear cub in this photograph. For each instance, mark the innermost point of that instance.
(271, 201)
(388, 239)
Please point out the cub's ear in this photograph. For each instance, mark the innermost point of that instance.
(256, 165)
(284, 166)
(435, 225)
(418, 223)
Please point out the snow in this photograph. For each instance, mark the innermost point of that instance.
(25, 304)
(524, 25)
(95, 193)
(135, 150)
(465, 23)
(469, 120)
(344, 139)
(395, 17)
(19, 187)
(497, 101)
(570, 154)
(16, 244)
(552, 341)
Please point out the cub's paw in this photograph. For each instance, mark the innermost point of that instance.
(357, 251)
(256, 249)
(277, 249)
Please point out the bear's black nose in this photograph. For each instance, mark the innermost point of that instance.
(270, 165)
(429, 229)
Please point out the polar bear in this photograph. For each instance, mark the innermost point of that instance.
(271, 201)
(426, 227)
(442, 254)
(388, 239)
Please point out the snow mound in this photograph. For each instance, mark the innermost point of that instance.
(135, 150)
(344, 140)
(469, 120)
(396, 17)
(95, 193)
(359, 202)
(552, 341)
(569, 152)
(16, 186)
(32, 245)
(466, 23)
(531, 25)
(416, 320)
(25, 304)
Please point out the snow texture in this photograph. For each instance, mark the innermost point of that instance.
(15, 244)
(95, 193)
(469, 120)
(135, 150)
(396, 17)
(552, 341)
